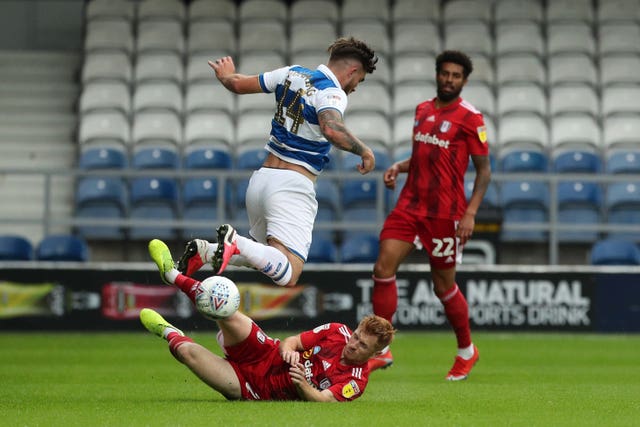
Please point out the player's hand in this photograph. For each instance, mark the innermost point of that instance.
(465, 228)
(291, 357)
(296, 372)
(223, 66)
(390, 176)
(368, 162)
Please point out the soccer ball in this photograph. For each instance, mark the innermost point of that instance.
(217, 298)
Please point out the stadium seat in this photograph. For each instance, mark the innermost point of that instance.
(616, 12)
(103, 158)
(623, 161)
(408, 95)
(524, 161)
(360, 249)
(158, 96)
(104, 129)
(101, 198)
(263, 35)
(328, 195)
(575, 131)
(326, 10)
(523, 131)
(402, 131)
(524, 202)
(620, 131)
(163, 10)
(519, 37)
(622, 204)
(572, 68)
(514, 11)
(621, 99)
(570, 11)
(153, 199)
(160, 36)
(375, 99)
(113, 35)
(109, 9)
(105, 96)
(15, 248)
(374, 128)
(373, 30)
(579, 202)
(416, 37)
(415, 10)
(107, 66)
(359, 193)
(413, 67)
(618, 38)
(361, 220)
(197, 69)
(200, 203)
(322, 250)
(212, 10)
(520, 68)
(310, 34)
(60, 247)
(619, 69)
(570, 38)
(349, 162)
(209, 128)
(156, 128)
(467, 10)
(209, 35)
(204, 97)
(157, 65)
(491, 198)
(155, 158)
(472, 37)
(251, 10)
(481, 97)
(521, 98)
(575, 98)
(615, 252)
(207, 158)
(253, 128)
(251, 158)
(577, 161)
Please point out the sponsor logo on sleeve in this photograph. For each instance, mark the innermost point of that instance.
(351, 389)
(482, 134)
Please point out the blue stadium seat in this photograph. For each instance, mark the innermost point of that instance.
(251, 158)
(350, 162)
(615, 252)
(579, 203)
(577, 161)
(322, 250)
(623, 161)
(359, 192)
(470, 166)
(103, 158)
(523, 202)
(155, 158)
(491, 196)
(363, 248)
(200, 203)
(15, 248)
(153, 199)
(622, 206)
(524, 161)
(208, 158)
(101, 198)
(359, 216)
(62, 247)
(327, 194)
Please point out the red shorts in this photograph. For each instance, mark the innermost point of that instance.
(438, 236)
(254, 360)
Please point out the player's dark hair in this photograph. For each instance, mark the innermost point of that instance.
(352, 48)
(379, 327)
(456, 57)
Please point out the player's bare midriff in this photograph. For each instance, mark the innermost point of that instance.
(274, 162)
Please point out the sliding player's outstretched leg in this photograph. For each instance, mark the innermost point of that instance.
(161, 255)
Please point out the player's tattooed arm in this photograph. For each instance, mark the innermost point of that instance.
(333, 128)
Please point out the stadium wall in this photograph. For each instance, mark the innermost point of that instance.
(69, 296)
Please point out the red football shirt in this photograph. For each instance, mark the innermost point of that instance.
(443, 140)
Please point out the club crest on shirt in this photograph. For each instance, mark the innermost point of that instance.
(445, 126)
(350, 389)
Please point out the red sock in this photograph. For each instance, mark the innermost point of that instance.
(385, 297)
(457, 311)
(188, 286)
(175, 341)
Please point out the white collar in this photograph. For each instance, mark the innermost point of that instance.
(327, 71)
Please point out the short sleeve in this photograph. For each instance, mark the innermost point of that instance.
(310, 338)
(477, 140)
(331, 98)
(269, 80)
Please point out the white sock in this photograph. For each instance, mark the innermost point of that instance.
(266, 259)
(171, 275)
(167, 331)
(466, 353)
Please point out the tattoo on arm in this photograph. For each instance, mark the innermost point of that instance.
(333, 128)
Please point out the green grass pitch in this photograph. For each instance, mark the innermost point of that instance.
(130, 379)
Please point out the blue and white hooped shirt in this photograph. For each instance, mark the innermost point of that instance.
(301, 94)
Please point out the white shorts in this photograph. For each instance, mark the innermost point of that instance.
(282, 204)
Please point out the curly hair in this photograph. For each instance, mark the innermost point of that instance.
(457, 57)
(352, 48)
(379, 327)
